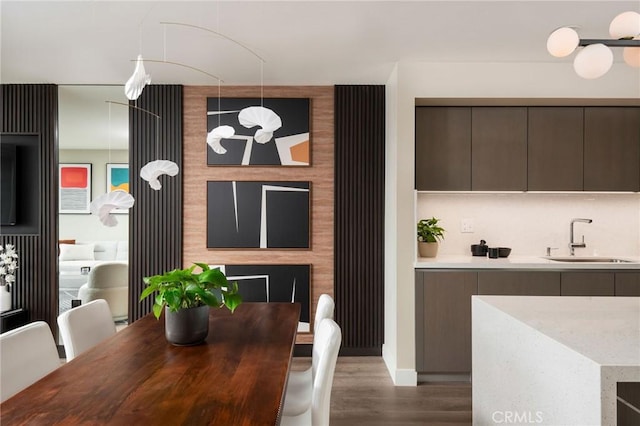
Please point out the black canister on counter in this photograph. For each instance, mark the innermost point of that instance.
(479, 249)
(494, 252)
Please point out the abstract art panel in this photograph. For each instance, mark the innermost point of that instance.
(118, 179)
(256, 214)
(274, 283)
(289, 146)
(74, 189)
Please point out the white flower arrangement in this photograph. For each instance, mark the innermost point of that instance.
(8, 264)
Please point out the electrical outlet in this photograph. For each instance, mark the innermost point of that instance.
(466, 226)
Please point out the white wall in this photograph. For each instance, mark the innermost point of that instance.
(459, 80)
(86, 227)
(389, 347)
(528, 223)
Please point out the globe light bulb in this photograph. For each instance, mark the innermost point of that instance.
(593, 61)
(625, 25)
(631, 55)
(562, 42)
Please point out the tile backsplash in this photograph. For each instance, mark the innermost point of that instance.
(530, 222)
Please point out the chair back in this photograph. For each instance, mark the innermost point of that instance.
(325, 308)
(325, 349)
(108, 275)
(27, 354)
(83, 327)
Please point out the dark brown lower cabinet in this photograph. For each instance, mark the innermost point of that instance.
(627, 284)
(443, 305)
(443, 321)
(519, 283)
(587, 284)
(628, 394)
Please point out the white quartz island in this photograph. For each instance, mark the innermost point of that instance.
(552, 360)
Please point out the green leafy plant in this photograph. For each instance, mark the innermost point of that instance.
(183, 289)
(429, 231)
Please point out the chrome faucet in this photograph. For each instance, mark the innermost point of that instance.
(572, 244)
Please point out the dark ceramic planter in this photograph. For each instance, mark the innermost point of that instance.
(187, 327)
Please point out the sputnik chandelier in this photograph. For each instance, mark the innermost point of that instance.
(596, 58)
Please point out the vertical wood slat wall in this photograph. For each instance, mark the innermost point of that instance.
(155, 221)
(33, 109)
(359, 217)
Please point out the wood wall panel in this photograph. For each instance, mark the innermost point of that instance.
(320, 173)
(155, 221)
(33, 109)
(359, 229)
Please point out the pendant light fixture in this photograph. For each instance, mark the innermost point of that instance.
(596, 57)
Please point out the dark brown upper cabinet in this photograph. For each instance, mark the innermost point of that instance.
(443, 148)
(611, 149)
(499, 148)
(528, 148)
(555, 148)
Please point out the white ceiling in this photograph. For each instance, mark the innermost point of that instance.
(302, 42)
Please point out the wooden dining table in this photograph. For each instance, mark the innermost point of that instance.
(237, 377)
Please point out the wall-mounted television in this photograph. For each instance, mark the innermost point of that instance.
(8, 184)
(20, 195)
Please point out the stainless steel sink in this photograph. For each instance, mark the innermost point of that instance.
(573, 259)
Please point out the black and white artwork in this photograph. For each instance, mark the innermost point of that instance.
(257, 214)
(274, 283)
(277, 136)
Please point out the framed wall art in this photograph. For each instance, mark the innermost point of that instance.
(74, 189)
(117, 179)
(258, 214)
(288, 146)
(274, 283)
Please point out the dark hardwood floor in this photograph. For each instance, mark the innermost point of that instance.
(363, 394)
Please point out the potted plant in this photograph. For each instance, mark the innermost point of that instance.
(429, 233)
(186, 297)
(8, 266)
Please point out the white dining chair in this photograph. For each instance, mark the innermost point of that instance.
(27, 354)
(83, 327)
(298, 396)
(325, 352)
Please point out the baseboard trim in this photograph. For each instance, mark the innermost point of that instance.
(455, 377)
(399, 376)
(406, 377)
(360, 352)
(302, 350)
(305, 350)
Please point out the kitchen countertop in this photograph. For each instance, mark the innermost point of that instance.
(604, 329)
(559, 358)
(518, 262)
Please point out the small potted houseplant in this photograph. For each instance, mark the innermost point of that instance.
(186, 297)
(429, 233)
